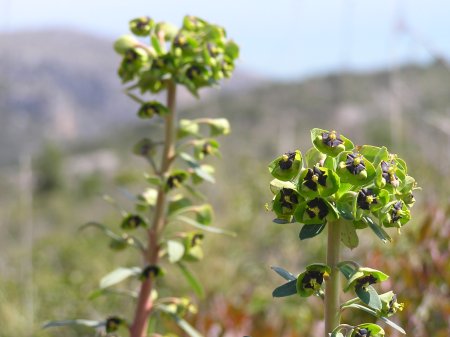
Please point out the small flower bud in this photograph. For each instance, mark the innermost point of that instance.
(142, 26)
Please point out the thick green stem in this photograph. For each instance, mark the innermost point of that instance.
(145, 304)
(332, 286)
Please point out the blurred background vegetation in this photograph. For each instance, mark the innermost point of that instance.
(66, 136)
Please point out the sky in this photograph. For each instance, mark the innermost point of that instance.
(284, 39)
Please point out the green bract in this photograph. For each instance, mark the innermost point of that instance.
(367, 330)
(364, 277)
(310, 281)
(330, 143)
(286, 166)
(389, 304)
(142, 26)
(354, 168)
(317, 181)
(285, 203)
(149, 109)
(315, 211)
(395, 214)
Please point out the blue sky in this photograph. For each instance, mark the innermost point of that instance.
(282, 39)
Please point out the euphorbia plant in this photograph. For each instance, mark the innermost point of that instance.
(195, 56)
(344, 188)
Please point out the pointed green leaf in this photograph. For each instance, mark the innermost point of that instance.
(378, 230)
(309, 231)
(183, 324)
(283, 273)
(84, 322)
(192, 280)
(210, 229)
(286, 289)
(119, 275)
(393, 325)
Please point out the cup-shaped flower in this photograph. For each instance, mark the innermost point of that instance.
(142, 26)
(395, 214)
(371, 200)
(151, 270)
(310, 281)
(353, 168)
(205, 147)
(389, 304)
(367, 330)
(315, 211)
(133, 221)
(149, 109)
(330, 143)
(134, 59)
(285, 203)
(176, 179)
(193, 246)
(193, 23)
(113, 323)
(387, 175)
(287, 166)
(363, 277)
(318, 181)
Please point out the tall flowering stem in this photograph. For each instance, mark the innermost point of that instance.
(195, 56)
(332, 285)
(145, 303)
(345, 188)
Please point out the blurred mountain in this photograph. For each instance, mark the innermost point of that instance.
(62, 85)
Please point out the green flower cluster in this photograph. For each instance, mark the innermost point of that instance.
(196, 55)
(335, 179)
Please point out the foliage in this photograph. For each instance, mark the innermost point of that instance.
(344, 188)
(195, 56)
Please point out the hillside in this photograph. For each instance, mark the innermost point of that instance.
(60, 90)
(62, 86)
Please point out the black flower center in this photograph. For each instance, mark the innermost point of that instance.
(143, 22)
(131, 55)
(392, 304)
(362, 333)
(366, 197)
(175, 180)
(396, 212)
(287, 160)
(332, 138)
(388, 173)
(193, 72)
(112, 323)
(366, 280)
(288, 198)
(313, 177)
(317, 208)
(206, 148)
(149, 109)
(179, 41)
(355, 163)
(313, 279)
(151, 270)
(212, 50)
(196, 239)
(133, 221)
